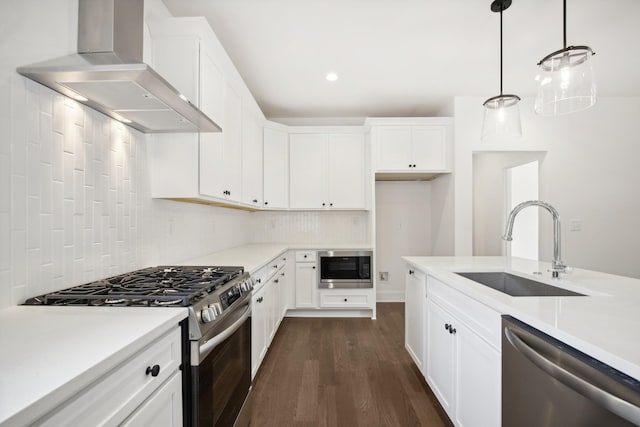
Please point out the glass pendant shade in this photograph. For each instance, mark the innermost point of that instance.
(566, 82)
(501, 118)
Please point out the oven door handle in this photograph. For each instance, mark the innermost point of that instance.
(207, 347)
(611, 402)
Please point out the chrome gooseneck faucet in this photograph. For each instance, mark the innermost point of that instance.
(557, 266)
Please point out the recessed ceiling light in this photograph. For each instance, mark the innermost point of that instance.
(331, 76)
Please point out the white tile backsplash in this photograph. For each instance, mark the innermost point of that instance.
(310, 227)
(76, 202)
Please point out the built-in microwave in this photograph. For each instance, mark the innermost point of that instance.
(345, 269)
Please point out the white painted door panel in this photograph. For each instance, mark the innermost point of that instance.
(276, 168)
(309, 155)
(429, 148)
(394, 148)
(346, 171)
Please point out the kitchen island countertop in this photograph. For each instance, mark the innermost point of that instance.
(604, 324)
(49, 354)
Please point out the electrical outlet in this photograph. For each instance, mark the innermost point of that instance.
(384, 276)
(575, 225)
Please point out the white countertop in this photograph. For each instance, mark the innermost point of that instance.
(255, 256)
(48, 354)
(605, 324)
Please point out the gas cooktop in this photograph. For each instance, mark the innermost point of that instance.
(155, 286)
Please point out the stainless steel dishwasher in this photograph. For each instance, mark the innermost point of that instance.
(548, 383)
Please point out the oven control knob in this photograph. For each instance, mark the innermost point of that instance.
(208, 315)
(217, 308)
(246, 286)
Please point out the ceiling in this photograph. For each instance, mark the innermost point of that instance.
(409, 57)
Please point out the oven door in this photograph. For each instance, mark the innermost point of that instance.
(345, 269)
(221, 369)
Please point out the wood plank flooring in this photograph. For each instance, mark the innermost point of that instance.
(343, 372)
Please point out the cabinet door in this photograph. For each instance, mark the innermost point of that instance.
(211, 87)
(429, 148)
(478, 381)
(274, 307)
(394, 148)
(440, 356)
(251, 160)
(221, 153)
(415, 301)
(232, 147)
(276, 168)
(306, 285)
(162, 409)
(308, 162)
(258, 330)
(346, 171)
(176, 59)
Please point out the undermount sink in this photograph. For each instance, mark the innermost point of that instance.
(517, 286)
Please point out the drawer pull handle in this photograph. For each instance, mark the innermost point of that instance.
(154, 371)
(345, 300)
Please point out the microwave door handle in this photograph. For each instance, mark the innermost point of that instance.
(208, 347)
(618, 406)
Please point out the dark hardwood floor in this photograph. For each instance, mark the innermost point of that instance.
(343, 372)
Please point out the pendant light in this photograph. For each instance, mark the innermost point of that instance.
(501, 113)
(566, 82)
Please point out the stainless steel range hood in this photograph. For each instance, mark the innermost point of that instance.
(109, 75)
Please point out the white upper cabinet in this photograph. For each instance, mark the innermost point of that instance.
(420, 145)
(186, 62)
(206, 167)
(347, 162)
(308, 159)
(327, 171)
(252, 154)
(221, 153)
(276, 168)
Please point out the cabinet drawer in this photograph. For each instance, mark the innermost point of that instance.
(116, 395)
(478, 317)
(344, 300)
(305, 256)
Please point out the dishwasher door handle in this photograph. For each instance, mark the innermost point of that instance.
(615, 404)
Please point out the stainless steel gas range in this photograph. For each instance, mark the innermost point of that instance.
(216, 336)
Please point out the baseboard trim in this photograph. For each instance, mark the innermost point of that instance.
(389, 296)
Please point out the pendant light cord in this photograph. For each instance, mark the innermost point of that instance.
(564, 22)
(501, 50)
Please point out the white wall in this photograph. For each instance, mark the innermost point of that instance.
(403, 228)
(75, 203)
(590, 173)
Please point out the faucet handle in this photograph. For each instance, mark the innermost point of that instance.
(557, 269)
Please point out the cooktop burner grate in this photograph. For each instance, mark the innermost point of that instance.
(154, 286)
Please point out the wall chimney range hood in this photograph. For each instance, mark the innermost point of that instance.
(108, 73)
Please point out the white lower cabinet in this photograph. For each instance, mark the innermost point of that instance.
(478, 381)
(162, 409)
(346, 298)
(306, 285)
(130, 393)
(415, 316)
(268, 308)
(462, 358)
(259, 316)
(440, 356)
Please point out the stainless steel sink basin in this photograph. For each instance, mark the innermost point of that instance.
(517, 286)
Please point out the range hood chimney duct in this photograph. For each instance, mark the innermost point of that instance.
(109, 75)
